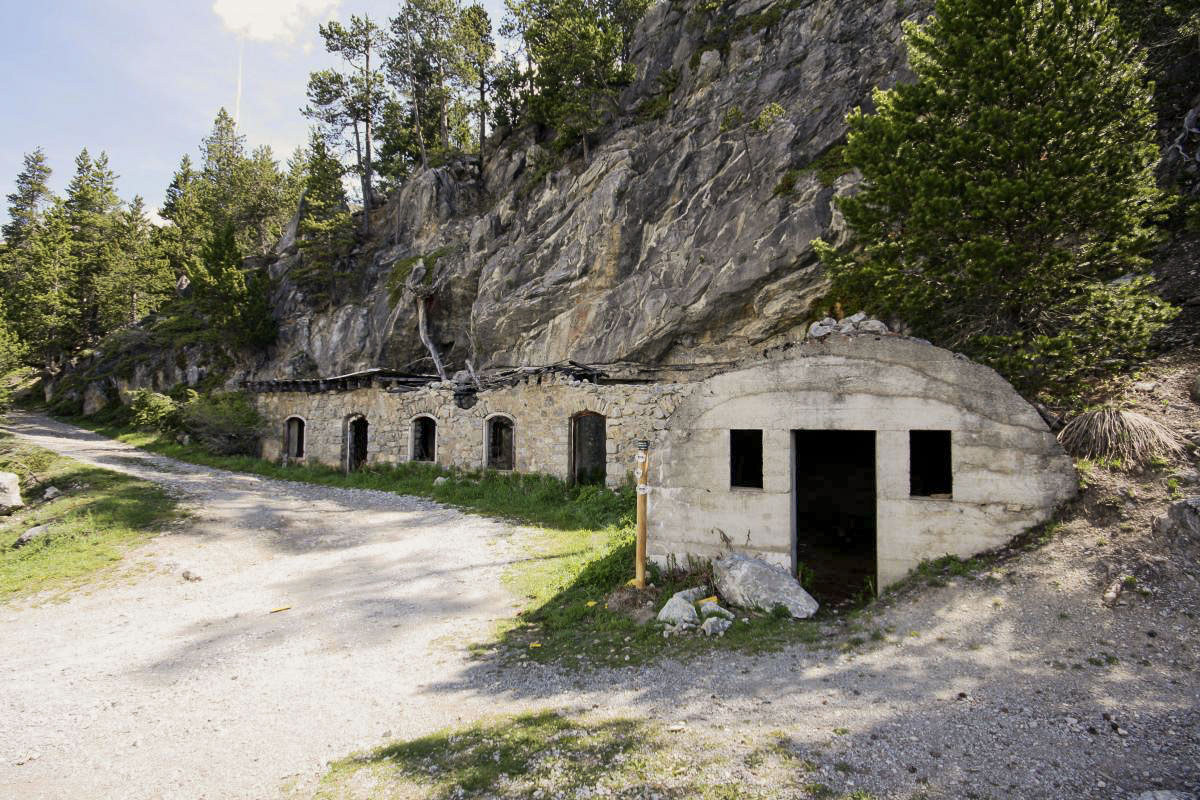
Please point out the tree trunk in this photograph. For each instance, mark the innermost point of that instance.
(482, 115)
(423, 331)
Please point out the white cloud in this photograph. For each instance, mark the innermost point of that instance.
(272, 20)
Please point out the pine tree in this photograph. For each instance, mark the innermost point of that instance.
(31, 196)
(1007, 188)
(91, 206)
(353, 99)
(43, 309)
(476, 50)
(137, 278)
(326, 231)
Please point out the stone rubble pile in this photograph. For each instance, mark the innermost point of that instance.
(753, 583)
(679, 615)
(858, 323)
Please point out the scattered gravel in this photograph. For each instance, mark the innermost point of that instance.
(1021, 683)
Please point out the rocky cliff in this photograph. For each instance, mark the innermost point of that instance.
(684, 236)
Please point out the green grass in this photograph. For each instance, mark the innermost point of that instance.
(96, 520)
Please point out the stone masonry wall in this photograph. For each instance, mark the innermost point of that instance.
(541, 411)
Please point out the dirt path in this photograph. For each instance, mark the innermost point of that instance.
(160, 687)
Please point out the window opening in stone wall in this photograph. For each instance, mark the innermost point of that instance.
(356, 452)
(930, 472)
(500, 443)
(746, 459)
(589, 454)
(295, 438)
(835, 514)
(424, 439)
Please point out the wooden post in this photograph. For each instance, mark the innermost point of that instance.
(643, 490)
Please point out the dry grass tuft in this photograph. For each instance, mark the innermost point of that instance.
(1112, 433)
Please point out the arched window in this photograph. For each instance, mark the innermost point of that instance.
(589, 456)
(424, 439)
(498, 436)
(294, 438)
(356, 442)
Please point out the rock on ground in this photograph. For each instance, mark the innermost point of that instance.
(10, 493)
(36, 532)
(678, 610)
(753, 583)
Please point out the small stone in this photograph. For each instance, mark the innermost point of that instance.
(677, 610)
(715, 626)
(873, 326)
(714, 610)
(36, 532)
(51, 493)
(188, 575)
(441, 480)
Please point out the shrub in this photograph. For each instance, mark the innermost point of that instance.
(225, 423)
(1113, 433)
(150, 410)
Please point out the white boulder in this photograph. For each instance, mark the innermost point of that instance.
(753, 583)
(10, 493)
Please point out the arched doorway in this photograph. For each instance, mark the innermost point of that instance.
(294, 438)
(356, 443)
(589, 456)
(499, 445)
(424, 439)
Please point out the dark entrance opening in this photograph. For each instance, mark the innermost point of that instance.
(424, 439)
(356, 441)
(930, 472)
(588, 454)
(499, 443)
(835, 513)
(295, 438)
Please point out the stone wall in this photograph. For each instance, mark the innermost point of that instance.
(541, 410)
(1009, 472)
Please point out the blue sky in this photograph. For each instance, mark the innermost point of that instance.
(144, 79)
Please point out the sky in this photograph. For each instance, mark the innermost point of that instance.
(143, 79)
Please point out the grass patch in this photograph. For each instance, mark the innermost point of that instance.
(97, 519)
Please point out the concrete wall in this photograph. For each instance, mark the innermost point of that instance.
(1009, 471)
(541, 412)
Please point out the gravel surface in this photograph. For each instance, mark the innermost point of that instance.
(1016, 684)
(158, 686)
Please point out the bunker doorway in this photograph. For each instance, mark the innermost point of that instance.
(499, 443)
(424, 439)
(295, 438)
(356, 444)
(834, 542)
(589, 455)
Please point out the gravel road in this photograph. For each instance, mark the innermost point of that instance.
(161, 687)
(1019, 684)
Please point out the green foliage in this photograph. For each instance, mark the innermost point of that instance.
(787, 183)
(29, 198)
(657, 105)
(769, 115)
(99, 516)
(325, 232)
(830, 165)
(225, 423)
(721, 25)
(733, 118)
(1001, 200)
(152, 411)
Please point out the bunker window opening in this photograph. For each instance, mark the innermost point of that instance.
(295, 437)
(500, 443)
(424, 439)
(746, 459)
(931, 472)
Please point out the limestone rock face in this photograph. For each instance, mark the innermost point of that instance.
(684, 235)
(10, 493)
(753, 583)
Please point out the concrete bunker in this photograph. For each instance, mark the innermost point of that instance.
(424, 439)
(499, 442)
(854, 457)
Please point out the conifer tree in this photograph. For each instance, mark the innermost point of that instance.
(1007, 188)
(42, 305)
(476, 48)
(91, 206)
(137, 278)
(30, 197)
(326, 231)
